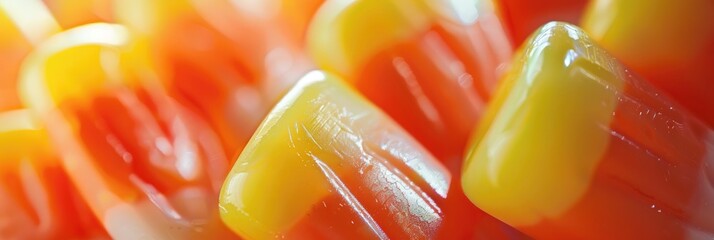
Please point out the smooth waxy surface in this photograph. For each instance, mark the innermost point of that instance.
(433, 73)
(543, 140)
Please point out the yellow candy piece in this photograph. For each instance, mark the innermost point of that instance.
(79, 62)
(342, 37)
(537, 149)
(319, 140)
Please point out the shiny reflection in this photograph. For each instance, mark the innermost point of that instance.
(360, 174)
(466, 10)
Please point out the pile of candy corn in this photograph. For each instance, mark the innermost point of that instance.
(356, 119)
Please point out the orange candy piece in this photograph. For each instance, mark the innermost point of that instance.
(146, 166)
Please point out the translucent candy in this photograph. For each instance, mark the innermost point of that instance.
(578, 147)
(147, 167)
(327, 164)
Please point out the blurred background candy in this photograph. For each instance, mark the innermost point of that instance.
(72, 13)
(36, 197)
(523, 17)
(222, 59)
(22, 25)
(146, 166)
(668, 43)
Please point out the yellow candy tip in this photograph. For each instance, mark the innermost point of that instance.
(71, 64)
(538, 147)
(245, 204)
(325, 142)
(344, 34)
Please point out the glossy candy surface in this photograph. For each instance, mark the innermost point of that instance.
(668, 43)
(413, 119)
(430, 65)
(577, 147)
(146, 166)
(347, 169)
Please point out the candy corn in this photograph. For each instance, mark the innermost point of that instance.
(577, 147)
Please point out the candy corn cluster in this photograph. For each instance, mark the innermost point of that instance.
(356, 119)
